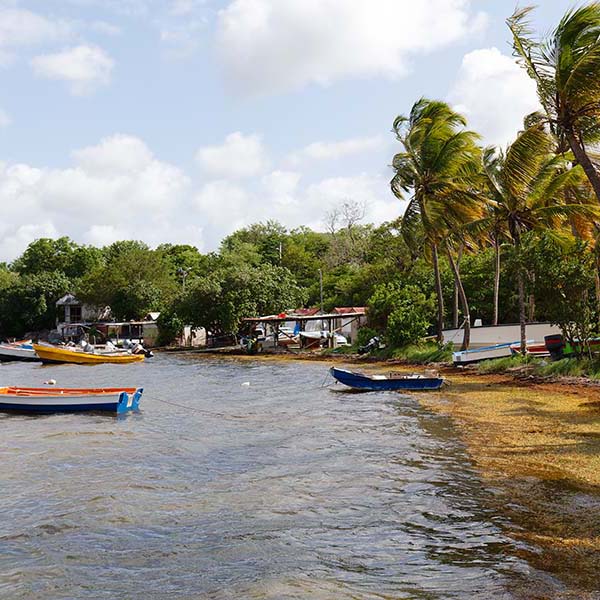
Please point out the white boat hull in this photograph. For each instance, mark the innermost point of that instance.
(476, 355)
(10, 353)
(500, 334)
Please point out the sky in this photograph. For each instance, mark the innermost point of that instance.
(183, 120)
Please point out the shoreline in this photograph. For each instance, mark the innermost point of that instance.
(535, 443)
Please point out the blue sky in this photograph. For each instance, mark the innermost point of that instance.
(181, 120)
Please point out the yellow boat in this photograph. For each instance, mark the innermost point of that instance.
(55, 354)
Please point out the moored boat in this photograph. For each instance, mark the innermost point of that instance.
(56, 354)
(466, 357)
(558, 347)
(391, 382)
(44, 400)
(531, 348)
(22, 351)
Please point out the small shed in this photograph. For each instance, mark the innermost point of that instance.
(71, 310)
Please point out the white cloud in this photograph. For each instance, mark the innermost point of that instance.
(239, 156)
(114, 190)
(278, 45)
(20, 27)
(117, 189)
(224, 206)
(494, 93)
(116, 155)
(83, 67)
(371, 192)
(336, 150)
(14, 242)
(5, 119)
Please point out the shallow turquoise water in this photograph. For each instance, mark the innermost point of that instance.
(273, 490)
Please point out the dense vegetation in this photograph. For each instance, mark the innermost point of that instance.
(500, 234)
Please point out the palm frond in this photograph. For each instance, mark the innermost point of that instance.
(524, 159)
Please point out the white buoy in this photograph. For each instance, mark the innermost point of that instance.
(50, 382)
(246, 383)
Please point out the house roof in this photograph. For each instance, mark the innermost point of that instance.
(67, 300)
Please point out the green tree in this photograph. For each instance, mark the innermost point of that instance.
(133, 281)
(62, 255)
(565, 288)
(404, 313)
(220, 300)
(438, 166)
(28, 303)
(566, 69)
(529, 186)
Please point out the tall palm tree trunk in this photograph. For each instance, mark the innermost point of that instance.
(597, 286)
(456, 295)
(522, 314)
(496, 280)
(584, 160)
(439, 293)
(463, 299)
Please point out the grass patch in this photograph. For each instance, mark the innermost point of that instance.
(566, 366)
(501, 365)
(424, 354)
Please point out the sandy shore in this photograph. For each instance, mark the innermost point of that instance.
(536, 445)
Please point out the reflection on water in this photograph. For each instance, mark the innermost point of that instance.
(280, 489)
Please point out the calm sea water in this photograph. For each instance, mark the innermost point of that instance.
(273, 490)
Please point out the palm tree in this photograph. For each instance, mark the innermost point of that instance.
(566, 70)
(528, 190)
(438, 166)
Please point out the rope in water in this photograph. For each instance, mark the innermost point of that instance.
(212, 414)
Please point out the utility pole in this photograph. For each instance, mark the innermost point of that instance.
(183, 273)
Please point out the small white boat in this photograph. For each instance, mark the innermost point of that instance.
(466, 357)
(22, 351)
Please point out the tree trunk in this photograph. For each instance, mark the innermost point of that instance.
(439, 293)
(463, 300)
(496, 281)
(531, 300)
(584, 160)
(522, 316)
(597, 285)
(455, 322)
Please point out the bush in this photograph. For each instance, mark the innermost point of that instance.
(170, 327)
(364, 335)
(404, 312)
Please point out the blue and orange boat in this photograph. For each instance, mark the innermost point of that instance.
(61, 400)
(391, 382)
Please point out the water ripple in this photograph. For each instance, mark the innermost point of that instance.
(280, 489)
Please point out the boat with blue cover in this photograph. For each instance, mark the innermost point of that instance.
(20, 351)
(390, 382)
(62, 400)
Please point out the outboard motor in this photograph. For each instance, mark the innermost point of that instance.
(555, 345)
(373, 344)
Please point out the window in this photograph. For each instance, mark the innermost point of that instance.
(75, 314)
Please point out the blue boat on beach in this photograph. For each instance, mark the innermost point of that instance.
(391, 382)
